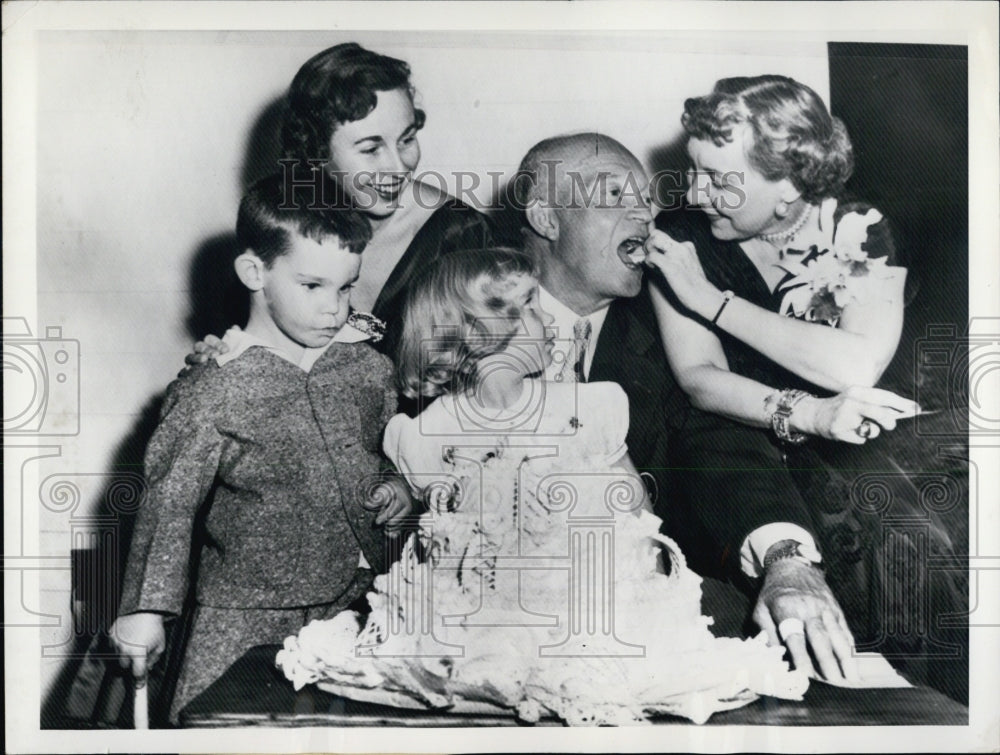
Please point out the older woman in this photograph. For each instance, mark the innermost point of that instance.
(783, 307)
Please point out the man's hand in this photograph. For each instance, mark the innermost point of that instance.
(795, 590)
(392, 499)
(139, 639)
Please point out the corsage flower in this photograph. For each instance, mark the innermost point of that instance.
(368, 324)
(830, 277)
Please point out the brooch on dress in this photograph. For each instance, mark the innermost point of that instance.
(368, 324)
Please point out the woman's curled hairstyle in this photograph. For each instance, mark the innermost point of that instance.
(457, 312)
(794, 135)
(337, 86)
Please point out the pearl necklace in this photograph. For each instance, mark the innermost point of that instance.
(789, 234)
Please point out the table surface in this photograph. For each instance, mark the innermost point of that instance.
(253, 692)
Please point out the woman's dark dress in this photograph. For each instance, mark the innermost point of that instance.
(452, 227)
(870, 554)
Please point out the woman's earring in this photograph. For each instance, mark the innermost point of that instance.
(781, 209)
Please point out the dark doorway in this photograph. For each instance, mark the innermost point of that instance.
(906, 109)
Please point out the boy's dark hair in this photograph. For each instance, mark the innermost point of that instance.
(274, 209)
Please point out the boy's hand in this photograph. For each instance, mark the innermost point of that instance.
(392, 499)
(212, 346)
(139, 639)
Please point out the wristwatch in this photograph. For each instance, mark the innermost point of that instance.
(785, 549)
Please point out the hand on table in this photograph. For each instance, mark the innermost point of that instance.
(139, 639)
(392, 500)
(854, 416)
(793, 590)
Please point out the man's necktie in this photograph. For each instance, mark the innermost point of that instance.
(581, 341)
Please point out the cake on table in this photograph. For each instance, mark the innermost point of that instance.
(537, 585)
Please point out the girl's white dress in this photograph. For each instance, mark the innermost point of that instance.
(537, 583)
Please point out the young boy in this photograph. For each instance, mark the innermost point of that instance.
(269, 447)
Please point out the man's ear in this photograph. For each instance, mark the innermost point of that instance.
(543, 221)
(250, 270)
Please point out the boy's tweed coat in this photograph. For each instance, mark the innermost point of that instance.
(275, 461)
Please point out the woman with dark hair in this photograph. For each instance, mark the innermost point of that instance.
(783, 307)
(350, 113)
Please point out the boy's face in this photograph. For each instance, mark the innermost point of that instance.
(308, 290)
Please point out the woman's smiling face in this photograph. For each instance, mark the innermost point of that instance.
(375, 157)
(737, 198)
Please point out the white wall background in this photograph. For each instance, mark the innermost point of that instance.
(141, 148)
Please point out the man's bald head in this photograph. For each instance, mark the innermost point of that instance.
(544, 174)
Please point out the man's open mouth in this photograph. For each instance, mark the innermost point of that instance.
(632, 252)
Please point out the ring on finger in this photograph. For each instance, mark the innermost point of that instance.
(791, 626)
(865, 429)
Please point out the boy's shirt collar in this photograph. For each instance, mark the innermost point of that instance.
(239, 341)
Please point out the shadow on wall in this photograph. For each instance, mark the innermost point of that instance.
(91, 691)
(263, 146)
(668, 165)
(218, 299)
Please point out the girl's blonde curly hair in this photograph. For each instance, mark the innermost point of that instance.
(456, 314)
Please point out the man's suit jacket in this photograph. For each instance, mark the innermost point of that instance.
(629, 352)
(715, 480)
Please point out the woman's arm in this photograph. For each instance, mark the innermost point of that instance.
(855, 354)
(699, 365)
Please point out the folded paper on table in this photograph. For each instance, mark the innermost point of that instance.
(874, 671)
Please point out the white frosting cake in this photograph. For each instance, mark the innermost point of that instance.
(537, 586)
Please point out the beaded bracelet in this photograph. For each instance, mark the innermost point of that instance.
(783, 411)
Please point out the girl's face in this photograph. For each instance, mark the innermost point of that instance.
(529, 352)
(375, 157)
(739, 201)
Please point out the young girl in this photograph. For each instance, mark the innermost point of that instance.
(474, 348)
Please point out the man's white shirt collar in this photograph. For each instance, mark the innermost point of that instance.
(564, 319)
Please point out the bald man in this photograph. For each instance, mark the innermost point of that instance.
(586, 215)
